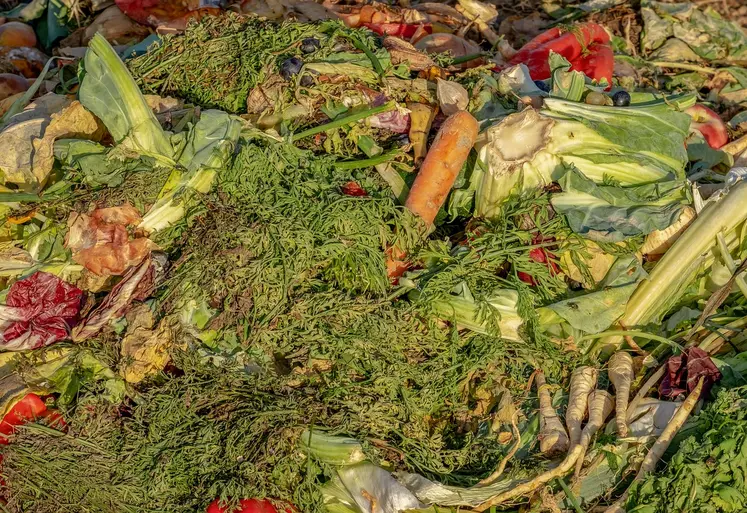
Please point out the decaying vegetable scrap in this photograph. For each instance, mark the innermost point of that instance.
(364, 258)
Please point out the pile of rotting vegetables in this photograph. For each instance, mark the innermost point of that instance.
(373, 259)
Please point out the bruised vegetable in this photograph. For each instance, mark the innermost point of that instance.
(621, 375)
(442, 164)
(583, 381)
(101, 243)
(709, 124)
(421, 118)
(11, 84)
(552, 435)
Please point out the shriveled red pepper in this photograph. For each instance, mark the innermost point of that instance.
(352, 188)
(541, 256)
(586, 47)
(403, 30)
(29, 409)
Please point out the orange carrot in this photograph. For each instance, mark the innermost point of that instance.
(442, 164)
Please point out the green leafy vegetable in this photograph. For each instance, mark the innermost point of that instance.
(634, 145)
(610, 213)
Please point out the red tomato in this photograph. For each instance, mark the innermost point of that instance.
(250, 506)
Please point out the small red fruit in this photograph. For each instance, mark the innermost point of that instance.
(250, 506)
(353, 189)
(709, 124)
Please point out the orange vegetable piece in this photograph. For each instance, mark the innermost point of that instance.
(16, 34)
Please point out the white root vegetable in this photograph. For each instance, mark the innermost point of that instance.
(601, 404)
(583, 381)
(565, 466)
(662, 444)
(641, 394)
(552, 435)
(621, 375)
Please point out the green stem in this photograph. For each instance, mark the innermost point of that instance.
(373, 161)
(682, 65)
(371, 56)
(572, 498)
(20, 197)
(467, 58)
(337, 123)
(395, 181)
(630, 333)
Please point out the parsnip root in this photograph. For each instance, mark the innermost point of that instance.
(552, 435)
(583, 381)
(662, 444)
(601, 404)
(621, 375)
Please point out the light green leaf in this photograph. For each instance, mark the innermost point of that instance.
(566, 84)
(596, 311)
(612, 213)
(108, 90)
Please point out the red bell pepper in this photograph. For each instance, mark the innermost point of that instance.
(28, 409)
(403, 30)
(586, 47)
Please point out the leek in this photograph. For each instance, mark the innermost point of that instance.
(108, 90)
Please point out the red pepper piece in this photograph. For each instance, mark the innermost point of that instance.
(597, 64)
(28, 409)
(353, 189)
(251, 506)
(571, 45)
(541, 256)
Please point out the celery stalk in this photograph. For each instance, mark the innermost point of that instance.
(655, 295)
